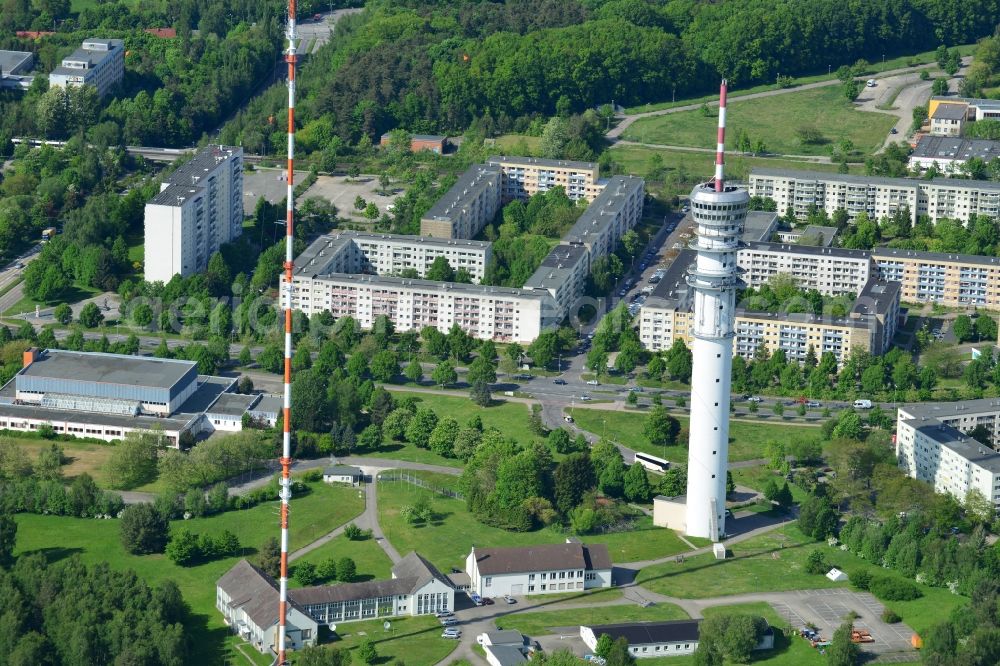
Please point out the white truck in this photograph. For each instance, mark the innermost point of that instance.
(862, 404)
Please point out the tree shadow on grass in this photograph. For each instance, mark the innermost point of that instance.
(55, 553)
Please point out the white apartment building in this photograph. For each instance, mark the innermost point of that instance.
(878, 197)
(98, 62)
(504, 314)
(948, 118)
(391, 254)
(932, 445)
(830, 271)
(543, 569)
(523, 177)
(198, 209)
(470, 204)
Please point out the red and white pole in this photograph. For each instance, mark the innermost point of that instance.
(720, 148)
(286, 440)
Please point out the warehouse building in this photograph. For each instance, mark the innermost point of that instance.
(106, 396)
(949, 154)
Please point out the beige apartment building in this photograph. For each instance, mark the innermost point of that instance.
(830, 271)
(878, 197)
(525, 176)
(470, 204)
(563, 274)
(951, 280)
(667, 313)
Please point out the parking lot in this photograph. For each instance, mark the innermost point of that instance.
(341, 191)
(267, 183)
(827, 609)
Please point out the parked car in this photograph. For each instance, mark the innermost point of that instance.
(584, 397)
(635, 389)
(755, 398)
(456, 570)
(444, 613)
(487, 601)
(870, 83)
(476, 599)
(813, 403)
(452, 633)
(509, 599)
(449, 621)
(862, 404)
(559, 382)
(894, 131)
(594, 382)
(568, 419)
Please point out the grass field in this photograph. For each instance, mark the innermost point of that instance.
(76, 292)
(414, 640)
(510, 417)
(746, 438)
(518, 144)
(447, 541)
(774, 121)
(775, 562)
(898, 62)
(756, 478)
(97, 541)
(542, 622)
(371, 561)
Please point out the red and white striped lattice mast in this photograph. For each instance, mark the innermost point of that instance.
(286, 439)
(720, 149)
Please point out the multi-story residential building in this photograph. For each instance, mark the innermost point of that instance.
(933, 444)
(391, 254)
(14, 68)
(563, 274)
(878, 197)
(199, 208)
(614, 211)
(949, 154)
(666, 316)
(467, 207)
(951, 280)
(248, 600)
(526, 176)
(98, 62)
(541, 569)
(831, 271)
(504, 314)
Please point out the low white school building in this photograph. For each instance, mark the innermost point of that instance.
(543, 569)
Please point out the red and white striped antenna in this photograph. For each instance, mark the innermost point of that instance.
(286, 439)
(720, 148)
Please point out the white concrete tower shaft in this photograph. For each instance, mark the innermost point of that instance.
(719, 212)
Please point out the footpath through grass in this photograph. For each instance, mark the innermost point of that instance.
(97, 541)
(774, 120)
(746, 438)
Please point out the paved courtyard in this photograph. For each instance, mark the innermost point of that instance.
(268, 183)
(827, 609)
(341, 192)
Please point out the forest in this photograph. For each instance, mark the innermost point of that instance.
(443, 66)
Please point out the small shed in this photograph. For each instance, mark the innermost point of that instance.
(343, 474)
(836, 575)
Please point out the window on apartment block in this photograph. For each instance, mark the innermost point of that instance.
(488, 582)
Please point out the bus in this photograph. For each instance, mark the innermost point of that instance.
(651, 462)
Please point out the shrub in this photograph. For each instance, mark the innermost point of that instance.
(815, 564)
(894, 589)
(862, 579)
(313, 475)
(890, 616)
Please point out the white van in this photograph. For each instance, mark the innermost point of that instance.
(862, 404)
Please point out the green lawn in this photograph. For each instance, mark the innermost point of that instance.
(776, 561)
(415, 640)
(898, 62)
(371, 561)
(518, 144)
(542, 622)
(756, 478)
(97, 541)
(510, 417)
(646, 542)
(76, 292)
(773, 120)
(746, 438)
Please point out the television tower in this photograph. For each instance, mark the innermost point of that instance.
(286, 439)
(719, 212)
